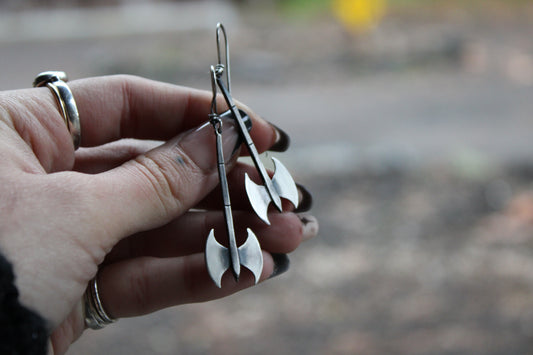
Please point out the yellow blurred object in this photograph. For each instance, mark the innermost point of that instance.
(359, 15)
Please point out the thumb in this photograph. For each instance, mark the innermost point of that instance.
(165, 182)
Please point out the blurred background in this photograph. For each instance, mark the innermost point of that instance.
(411, 121)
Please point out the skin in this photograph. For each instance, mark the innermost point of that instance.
(120, 208)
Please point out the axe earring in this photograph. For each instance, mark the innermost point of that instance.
(282, 184)
(219, 258)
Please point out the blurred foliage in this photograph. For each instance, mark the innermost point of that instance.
(359, 16)
(313, 7)
(354, 15)
(304, 7)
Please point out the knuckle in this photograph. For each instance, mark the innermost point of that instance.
(127, 81)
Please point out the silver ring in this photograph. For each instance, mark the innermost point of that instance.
(57, 82)
(94, 314)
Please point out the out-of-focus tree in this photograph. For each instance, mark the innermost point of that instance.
(356, 16)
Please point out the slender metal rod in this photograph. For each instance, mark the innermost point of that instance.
(254, 154)
(228, 216)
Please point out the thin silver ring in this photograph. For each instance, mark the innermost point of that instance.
(94, 314)
(56, 81)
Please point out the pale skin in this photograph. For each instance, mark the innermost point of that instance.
(121, 209)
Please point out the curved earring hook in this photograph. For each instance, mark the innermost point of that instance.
(225, 65)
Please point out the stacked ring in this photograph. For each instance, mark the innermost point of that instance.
(57, 82)
(94, 314)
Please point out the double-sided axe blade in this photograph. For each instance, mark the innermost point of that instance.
(219, 258)
(282, 184)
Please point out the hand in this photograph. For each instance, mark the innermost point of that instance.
(119, 207)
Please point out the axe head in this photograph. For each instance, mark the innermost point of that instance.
(251, 255)
(218, 257)
(284, 186)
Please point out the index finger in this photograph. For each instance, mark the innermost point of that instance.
(123, 106)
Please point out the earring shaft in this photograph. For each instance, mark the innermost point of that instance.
(254, 154)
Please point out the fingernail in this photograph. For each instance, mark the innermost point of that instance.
(282, 142)
(200, 144)
(306, 199)
(281, 264)
(310, 226)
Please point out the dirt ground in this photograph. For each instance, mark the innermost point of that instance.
(416, 142)
(407, 262)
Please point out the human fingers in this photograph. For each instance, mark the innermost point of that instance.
(161, 184)
(139, 286)
(98, 159)
(239, 197)
(188, 234)
(112, 108)
(122, 106)
(111, 155)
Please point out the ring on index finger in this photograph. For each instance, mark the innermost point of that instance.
(56, 81)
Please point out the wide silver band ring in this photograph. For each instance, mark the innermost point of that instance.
(57, 82)
(94, 314)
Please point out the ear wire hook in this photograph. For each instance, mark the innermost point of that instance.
(223, 66)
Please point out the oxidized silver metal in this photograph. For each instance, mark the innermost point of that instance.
(94, 314)
(282, 185)
(219, 258)
(57, 82)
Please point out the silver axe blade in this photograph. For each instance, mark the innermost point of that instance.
(283, 185)
(219, 258)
